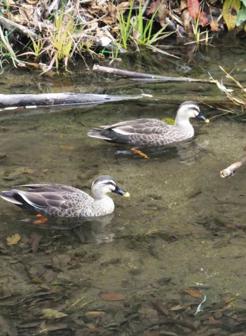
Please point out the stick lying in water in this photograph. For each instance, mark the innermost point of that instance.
(32, 104)
(146, 77)
(231, 170)
(54, 99)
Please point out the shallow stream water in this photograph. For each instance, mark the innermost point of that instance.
(179, 240)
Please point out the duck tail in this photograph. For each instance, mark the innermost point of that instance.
(98, 134)
(12, 196)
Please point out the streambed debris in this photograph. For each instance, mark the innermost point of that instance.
(62, 98)
(13, 239)
(147, 77)
(48, 34)
(199, 307)
(236, 94)
(231, 170)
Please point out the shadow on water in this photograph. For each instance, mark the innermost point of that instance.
(168, 262)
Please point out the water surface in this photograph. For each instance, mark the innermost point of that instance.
(180, 237)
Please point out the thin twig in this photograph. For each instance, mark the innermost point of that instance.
(160, 51)
(10, 49)
(8, 24)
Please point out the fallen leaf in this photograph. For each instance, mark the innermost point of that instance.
(196, 293)
(177, 308)
(229, 11)
(196, 12)
(194, 8)
(52, 314)
(112, 296)
(13, 239)
(94, 313)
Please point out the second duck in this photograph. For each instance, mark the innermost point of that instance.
(149, 132)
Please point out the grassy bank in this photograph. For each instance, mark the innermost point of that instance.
(52, 34)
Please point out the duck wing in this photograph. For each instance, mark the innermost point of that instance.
(123, 131)
(143, 126)
(51, 187)
(51, 199)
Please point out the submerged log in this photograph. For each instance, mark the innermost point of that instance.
(231, 170)
(147, 77)
(11, 101)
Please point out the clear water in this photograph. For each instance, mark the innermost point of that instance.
(183, 227)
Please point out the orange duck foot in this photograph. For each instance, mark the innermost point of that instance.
(41, 219)
(139, 153)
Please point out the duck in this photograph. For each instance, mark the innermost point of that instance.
(58, 200)
(150, 132)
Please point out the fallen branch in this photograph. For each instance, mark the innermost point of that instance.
(11, 101)
(231, 170)
(238, 98)
(143, 76)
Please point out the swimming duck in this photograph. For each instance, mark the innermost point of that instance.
(64, 201)
(148, 132)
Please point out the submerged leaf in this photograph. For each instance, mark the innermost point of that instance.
(194, 292)
(94, 313)
(112, 296)
(13, 240)
(52, 314)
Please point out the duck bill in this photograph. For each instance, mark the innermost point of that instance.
(121, 192)
(200, 116)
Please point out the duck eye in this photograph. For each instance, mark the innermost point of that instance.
(111, 186)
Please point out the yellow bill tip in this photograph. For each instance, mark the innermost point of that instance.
(207, 121)
(126, 194)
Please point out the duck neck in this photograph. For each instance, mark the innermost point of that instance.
(185, 124)
(103, 205)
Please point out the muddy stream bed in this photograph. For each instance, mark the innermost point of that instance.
(178, 241)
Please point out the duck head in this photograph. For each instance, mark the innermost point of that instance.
(190, 109)
(104, 185)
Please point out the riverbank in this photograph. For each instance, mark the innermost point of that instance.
(54, 34)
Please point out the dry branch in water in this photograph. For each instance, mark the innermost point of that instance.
(237, 97)
(144, 76)
(53, 99)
